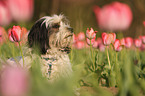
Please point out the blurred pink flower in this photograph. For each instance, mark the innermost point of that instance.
(13, 81)
(117, 45)
(90, 33)
(3, 35)
(90, 41)
(142, 38)
(114, 16)
(122, 41)
(144, 23)
(15, 33)
(128, 42)
(137, 43)
(79, 45)
(102, 47)
(21, 10)
(81, 36)
(96, 44)
(108, 38)
(5, 17)
(99, 40)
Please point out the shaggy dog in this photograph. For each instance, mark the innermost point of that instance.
(53, 38)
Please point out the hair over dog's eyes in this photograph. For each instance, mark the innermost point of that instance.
(56, 26)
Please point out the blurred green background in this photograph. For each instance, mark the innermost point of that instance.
(81, 16)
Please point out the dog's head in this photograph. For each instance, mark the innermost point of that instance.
(51, 32)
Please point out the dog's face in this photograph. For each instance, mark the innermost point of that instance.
(51, 32)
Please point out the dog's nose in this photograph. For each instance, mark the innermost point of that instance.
(70, 29)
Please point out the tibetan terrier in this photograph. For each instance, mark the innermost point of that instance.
(53, 38)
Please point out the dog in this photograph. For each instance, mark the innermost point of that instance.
(52, 36)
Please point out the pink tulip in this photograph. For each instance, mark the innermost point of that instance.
(96, 44)
(5, 17)
(102, 47)
(79, 45)
(81, 36)
(114, 16)
(137, 43)
(21, 10)
(128, 42)
(108, 38)
(142, 38)
(13, 81)
(15, 33)
(122, 41)
(117, 45)
(90, 41)
(90, 33)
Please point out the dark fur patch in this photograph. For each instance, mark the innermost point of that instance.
(39, 37)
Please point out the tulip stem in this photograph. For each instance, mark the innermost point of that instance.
(108, 58)
(21, 53)
(92, 56)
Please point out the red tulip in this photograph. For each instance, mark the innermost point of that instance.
(21, 10)
(13, 81)
(114, 16)
(15, 34)
(5, 17)
(137, 43)
(108, 38)
(90, 33)
(128, 42)
(117, 45)
(81, 36)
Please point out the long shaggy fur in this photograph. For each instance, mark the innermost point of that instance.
(53, 37)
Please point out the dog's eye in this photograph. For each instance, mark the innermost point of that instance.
(56, 26)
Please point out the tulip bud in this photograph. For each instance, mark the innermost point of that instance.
(15, 34)
(137, 43)
(128, 42)
(117, 45)
(108, 38)
(90, 33)
(90, 41)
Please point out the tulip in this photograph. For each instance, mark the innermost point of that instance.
(81, 36)
(114, 16)
(128, 42)
(142, 38)
(96, 44)
(122, 41)
(5, 17)
(102, 47)
(108, 38)
(79, 45)
(90, 33)
(15, 33)
(137, 43)
(21, 10)
(90, 41)
(117, 45)
(13, 81)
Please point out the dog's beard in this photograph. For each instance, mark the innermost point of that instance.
(62, 39)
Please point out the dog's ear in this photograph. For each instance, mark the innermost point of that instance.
(38, 36)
